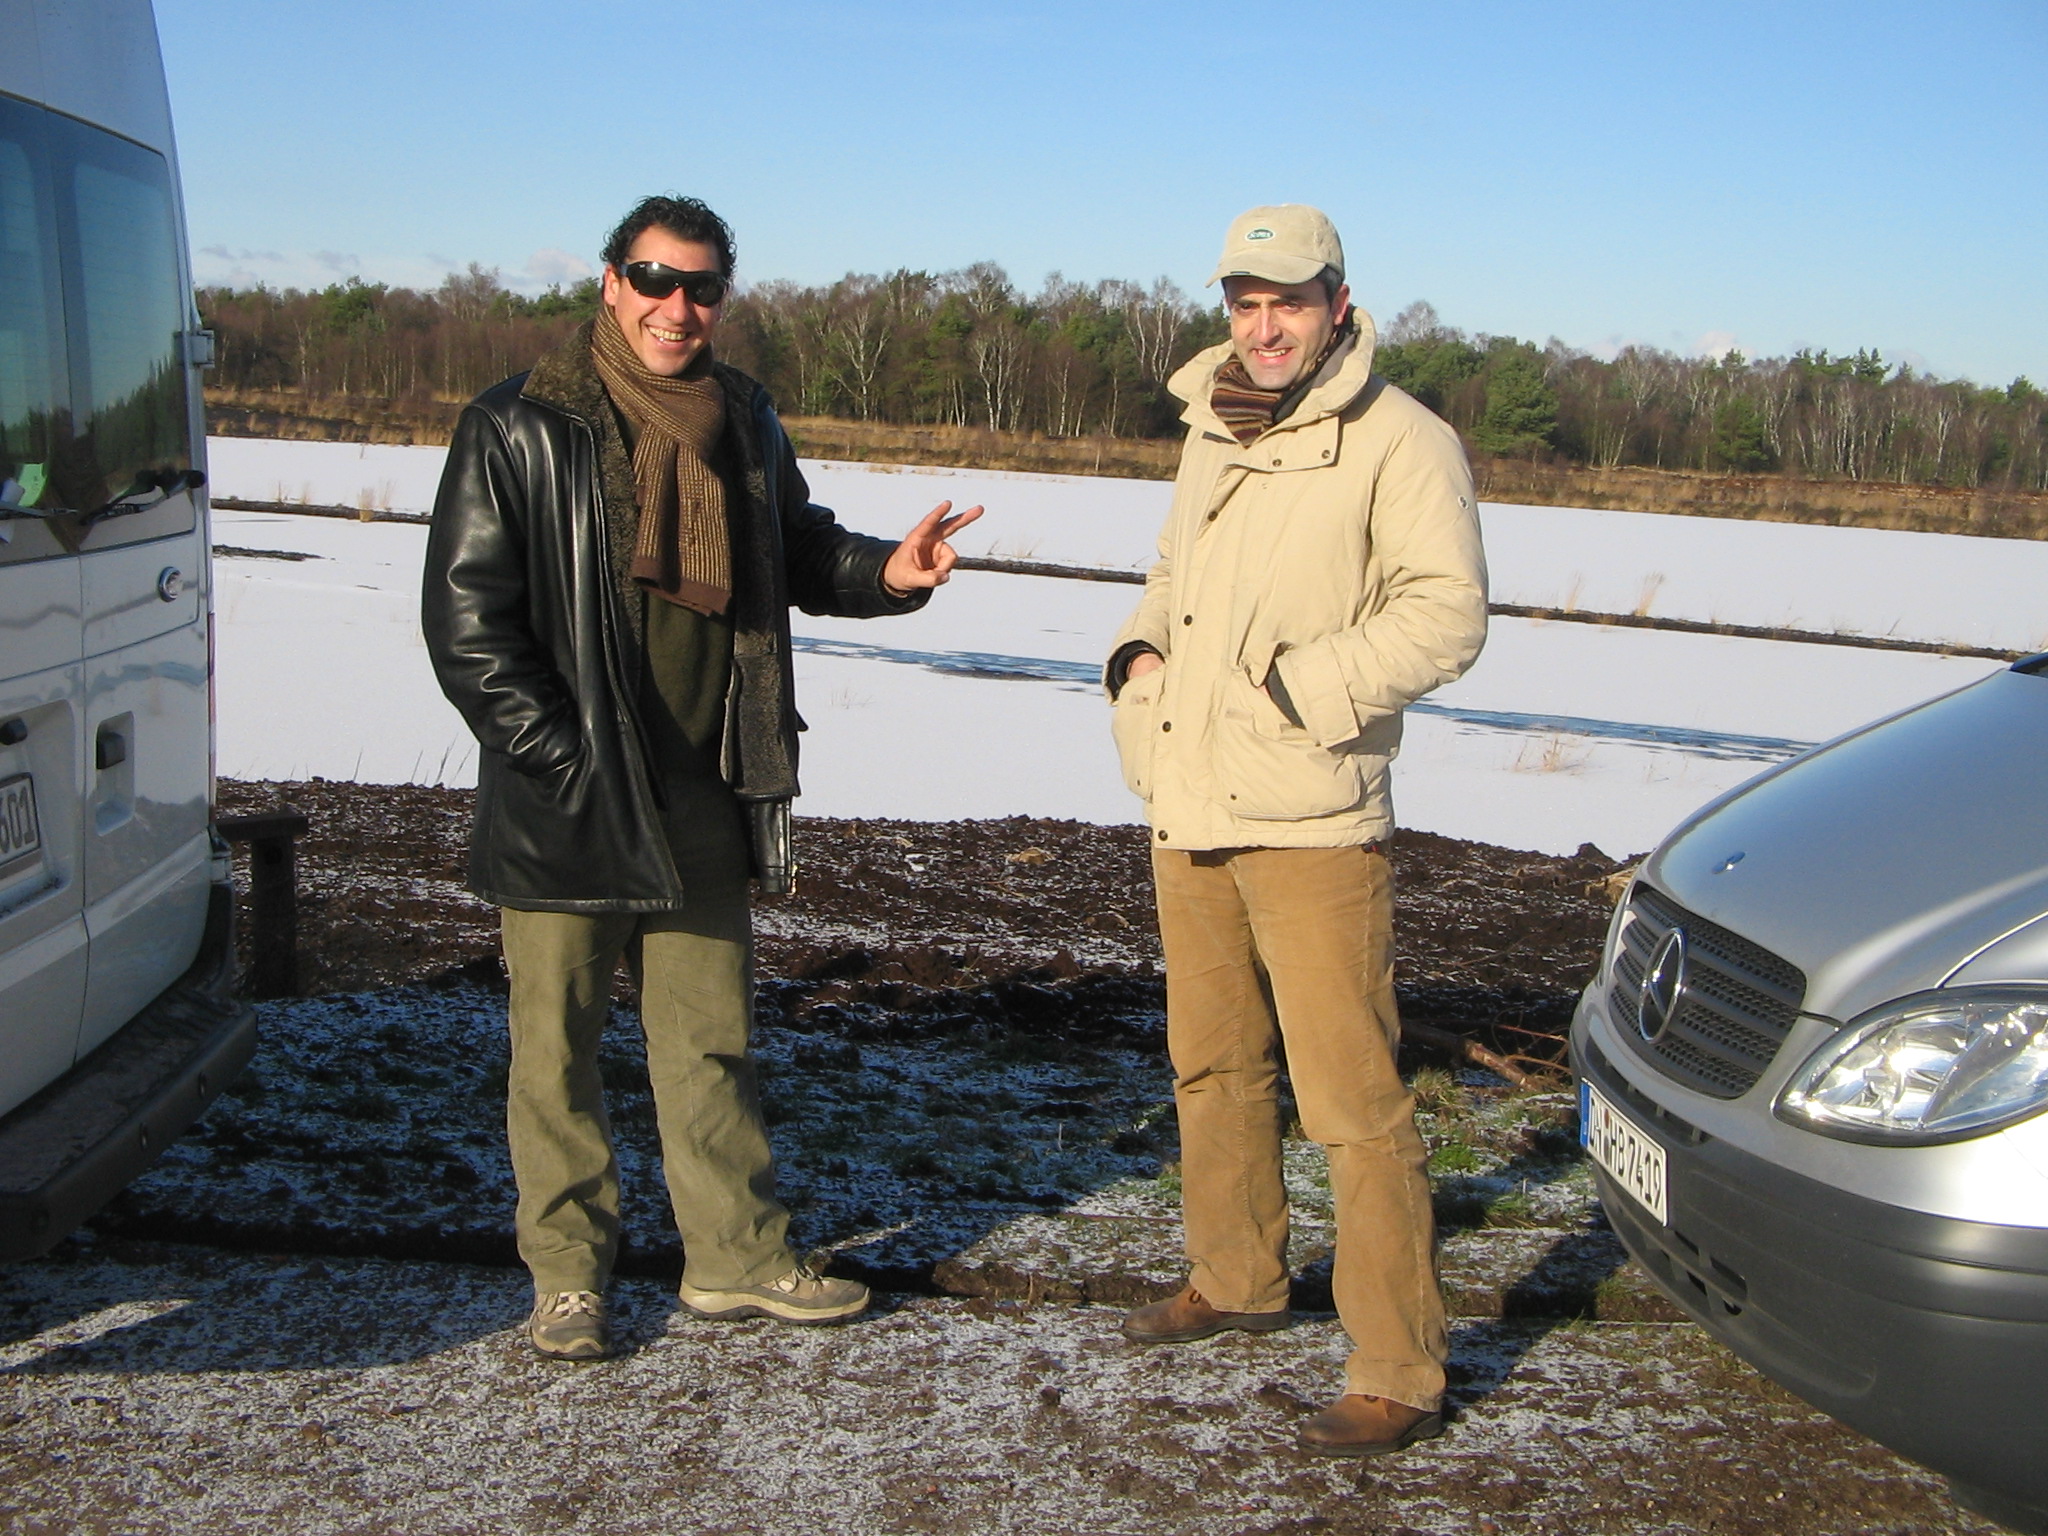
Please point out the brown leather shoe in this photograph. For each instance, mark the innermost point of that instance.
(1359, 1424)
(1187, 1316)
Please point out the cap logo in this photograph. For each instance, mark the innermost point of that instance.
(1261, 233)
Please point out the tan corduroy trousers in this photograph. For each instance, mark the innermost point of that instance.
(1272, 948)
(694, 971)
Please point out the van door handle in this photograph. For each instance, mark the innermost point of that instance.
(13, 732)
(110, 750)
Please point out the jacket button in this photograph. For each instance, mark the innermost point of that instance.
(1162, 834)
(1210, 518)
(1276, 463)
(1166, 725)
(1187, 618)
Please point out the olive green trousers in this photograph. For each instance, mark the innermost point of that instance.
(1272, 949)
(694, 970)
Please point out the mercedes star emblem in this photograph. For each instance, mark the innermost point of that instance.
(1663, 985)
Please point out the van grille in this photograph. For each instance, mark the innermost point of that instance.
(1738, 1004)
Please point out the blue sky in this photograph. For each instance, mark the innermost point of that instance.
(1690, 176)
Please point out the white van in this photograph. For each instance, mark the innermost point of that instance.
(117, 1023)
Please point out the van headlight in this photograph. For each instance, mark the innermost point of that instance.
(1937, 1066)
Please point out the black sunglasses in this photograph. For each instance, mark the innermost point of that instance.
(652, 280)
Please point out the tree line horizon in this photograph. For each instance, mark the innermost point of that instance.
(970, 348)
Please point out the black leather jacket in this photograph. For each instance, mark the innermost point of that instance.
(535, 630)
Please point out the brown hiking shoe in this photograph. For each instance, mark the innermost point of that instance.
(1359, 1424)
(801, 1296)
(1184, 1317)
(569, 1325)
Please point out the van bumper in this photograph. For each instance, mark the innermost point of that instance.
(68, 1150)
(1926, 1333)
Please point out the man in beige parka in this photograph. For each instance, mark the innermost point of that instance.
(1320, 570)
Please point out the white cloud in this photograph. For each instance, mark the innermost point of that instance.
(225, 266)
(1716, 344)
(224, 253)
(552, 265)
(1612, 345)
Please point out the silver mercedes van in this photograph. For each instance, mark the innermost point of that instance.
(1813, 1073)
(117, 1021)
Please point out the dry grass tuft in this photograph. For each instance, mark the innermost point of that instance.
(1555, 753)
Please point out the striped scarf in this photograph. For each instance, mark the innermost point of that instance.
(1248, 410)
(683, 551)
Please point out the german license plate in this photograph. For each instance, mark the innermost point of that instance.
(20, 833)
(1632, 1158)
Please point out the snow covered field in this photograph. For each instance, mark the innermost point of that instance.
(1917, 586)
(985, 705)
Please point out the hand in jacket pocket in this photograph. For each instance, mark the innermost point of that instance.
(1134, 723)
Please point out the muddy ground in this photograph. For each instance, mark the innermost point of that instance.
(304, 1317)
(902, 914)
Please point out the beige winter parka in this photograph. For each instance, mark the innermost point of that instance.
(1341, 546)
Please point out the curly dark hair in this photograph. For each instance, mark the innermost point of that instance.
(684, 217)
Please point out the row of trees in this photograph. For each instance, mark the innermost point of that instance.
(358, 338)
(971, 348)
(966, 347)
(1811, 414)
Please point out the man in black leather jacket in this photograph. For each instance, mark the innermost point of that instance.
(618, 537)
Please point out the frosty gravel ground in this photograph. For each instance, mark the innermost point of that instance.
(269, 1382)
(304, 1318)
(163, 1389)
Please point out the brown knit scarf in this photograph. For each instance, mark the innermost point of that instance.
(1247, 409)
(683, 551)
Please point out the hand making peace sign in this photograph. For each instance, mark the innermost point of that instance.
(924, 558)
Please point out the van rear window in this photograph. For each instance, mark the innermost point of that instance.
(121, 284)
(33, 399)
(93, 389)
